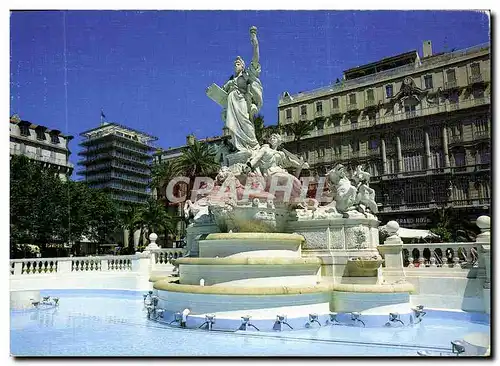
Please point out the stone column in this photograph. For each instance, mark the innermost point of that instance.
(400, 155)
(445, 148)
(384, 155)
(392, 253)
(427, 149)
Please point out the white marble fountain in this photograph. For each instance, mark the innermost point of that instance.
(249, 227)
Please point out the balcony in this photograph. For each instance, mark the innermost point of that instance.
(373, 152)
(352, 107)
(476, 79)
(303, 117)
(455, 139)
(450, 84)
(318, 114)
(411, 114)
(370, 103)
(335, 111)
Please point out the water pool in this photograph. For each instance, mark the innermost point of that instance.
(113, 323)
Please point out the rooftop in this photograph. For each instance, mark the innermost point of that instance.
(108, 128)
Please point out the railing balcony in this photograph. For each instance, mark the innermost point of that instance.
(318, 114)
(481, 134)
(459, 169)
(450, 84)
(411, 114)
(456, 139)
(475, 79)
(335, 111)
(303, 117)
(375, 151)
(370, 103)
(352, 107)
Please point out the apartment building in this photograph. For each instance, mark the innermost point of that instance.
(48, 146)
(118, 159)
(420, 125)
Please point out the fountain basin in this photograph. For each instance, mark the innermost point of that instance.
(217, 270)
(220, 298)
(225, 244)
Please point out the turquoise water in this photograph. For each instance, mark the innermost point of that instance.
(113, 323)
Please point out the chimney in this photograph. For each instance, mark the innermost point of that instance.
(190, 140)
(427, 49)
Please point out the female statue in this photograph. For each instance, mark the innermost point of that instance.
(244, 99)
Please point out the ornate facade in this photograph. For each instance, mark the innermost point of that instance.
(420, 126)
(47, 146)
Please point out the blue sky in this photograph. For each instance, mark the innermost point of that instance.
(149, 69)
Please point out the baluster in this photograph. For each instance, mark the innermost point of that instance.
(120, 264)
(432, 260)
(444, 258)
(468, 257)
(456, 262)
(410, 259)
(421, 262)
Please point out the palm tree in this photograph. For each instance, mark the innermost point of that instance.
(451, 225)
(129, 221)
(300, 130)
(258, 123)
(162, 174)
(154, 218)
(197, 160)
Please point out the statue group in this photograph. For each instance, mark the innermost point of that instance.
(241, 98)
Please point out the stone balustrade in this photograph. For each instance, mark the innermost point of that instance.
(166, 256)
(118, 263)
(441, 255)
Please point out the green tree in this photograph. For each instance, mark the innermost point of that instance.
(258, 123)
(300, 130)
(106, 220)
(197, 160)
(161, 174)
(153, 218)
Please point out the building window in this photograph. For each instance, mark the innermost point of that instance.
(54, 139)
(481, 126)
(428, 81)
(303, 110)
(389, 91)
(321, 151)
(335, 103)
(40, 134)
(436, 160)
(352, 98)
(391, 165)
(39, 151)
(459, 156)
(485, 155)
(22, 148)
(450, 75)
(373, 144)
(474, 69)
(413, 162)
(25, 130)
(369, 94)
(288, 113)
(337, 149)
(52, 154)
(355, 146)
(319, 108)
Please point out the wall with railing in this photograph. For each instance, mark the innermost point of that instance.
(113, 272)
(445, 275)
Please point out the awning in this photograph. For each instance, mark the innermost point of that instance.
(413, 233)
